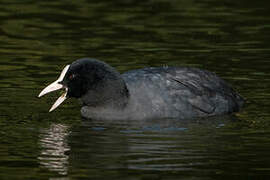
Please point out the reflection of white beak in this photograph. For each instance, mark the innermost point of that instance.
(55, 86)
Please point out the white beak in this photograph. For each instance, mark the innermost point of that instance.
(55, 86)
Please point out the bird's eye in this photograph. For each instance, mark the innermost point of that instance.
(72, 76)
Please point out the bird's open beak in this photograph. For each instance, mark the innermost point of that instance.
(56, 86)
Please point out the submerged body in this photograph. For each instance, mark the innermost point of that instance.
(161, 92)
(171, 92)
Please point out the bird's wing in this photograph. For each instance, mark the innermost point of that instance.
(197, 96)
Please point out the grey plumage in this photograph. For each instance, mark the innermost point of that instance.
(171, 92)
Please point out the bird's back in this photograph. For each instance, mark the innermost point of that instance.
(180, 92)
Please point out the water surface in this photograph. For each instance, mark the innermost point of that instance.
(37, 39)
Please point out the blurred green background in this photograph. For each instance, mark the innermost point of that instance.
(38, 38)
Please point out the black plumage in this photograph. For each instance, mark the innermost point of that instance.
(155, 92)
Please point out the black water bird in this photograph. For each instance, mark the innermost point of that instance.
(154, 92)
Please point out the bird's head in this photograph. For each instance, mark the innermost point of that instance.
(94, 82)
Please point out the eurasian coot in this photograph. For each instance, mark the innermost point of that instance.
(153, 92)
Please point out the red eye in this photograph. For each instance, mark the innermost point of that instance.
(71, 76)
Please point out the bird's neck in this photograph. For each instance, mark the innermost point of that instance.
(113, 94)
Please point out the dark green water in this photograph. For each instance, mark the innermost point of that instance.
(37, 40)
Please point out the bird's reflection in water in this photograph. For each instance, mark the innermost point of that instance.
(54, 148)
